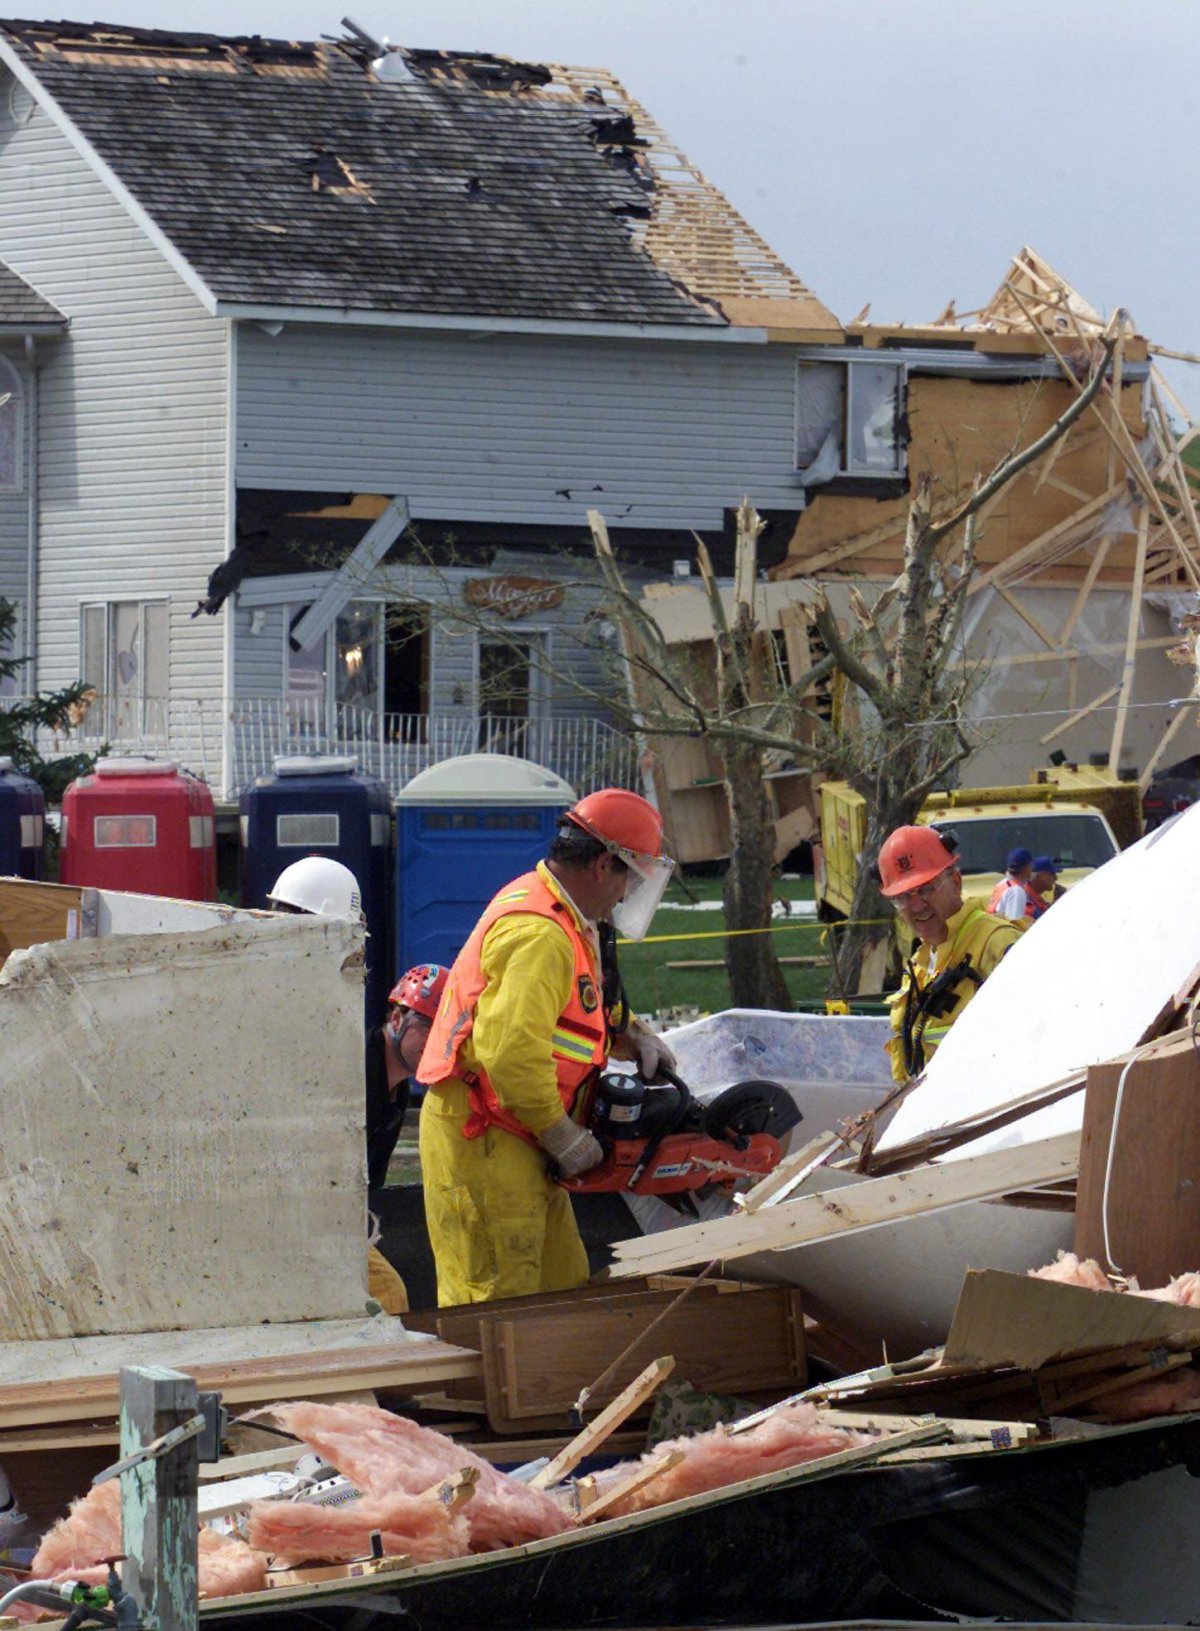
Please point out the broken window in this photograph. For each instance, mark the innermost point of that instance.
(848, 419)
(375, 657)
(123, 657)
(510, 693)
(12, 429)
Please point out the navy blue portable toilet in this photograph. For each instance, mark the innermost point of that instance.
(464, 828)
(22, 823)
(325, 805)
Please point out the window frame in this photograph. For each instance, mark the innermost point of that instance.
(847, 470)
(129, 706)
(382, 605)
(11, 380)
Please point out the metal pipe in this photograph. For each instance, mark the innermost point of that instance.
(30, 620)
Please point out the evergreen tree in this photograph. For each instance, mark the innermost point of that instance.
(22, 717)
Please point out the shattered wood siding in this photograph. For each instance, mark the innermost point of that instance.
(132, 406)
(496, 429)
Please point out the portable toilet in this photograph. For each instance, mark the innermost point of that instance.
(464, 828)
(140, 824)
(22, 823)
(324, 805)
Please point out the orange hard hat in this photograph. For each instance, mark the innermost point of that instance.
(910, 857)
(621, 820)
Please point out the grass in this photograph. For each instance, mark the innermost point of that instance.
(652, 986)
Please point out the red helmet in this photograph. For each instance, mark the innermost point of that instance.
(910, 857)
(421, 989)
(621, 820)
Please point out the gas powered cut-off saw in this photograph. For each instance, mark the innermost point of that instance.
(660, 1141)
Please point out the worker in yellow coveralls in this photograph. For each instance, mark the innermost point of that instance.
(532, 1009)
(959, 945)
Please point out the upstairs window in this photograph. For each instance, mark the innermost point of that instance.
(848, 420)
(12, 429)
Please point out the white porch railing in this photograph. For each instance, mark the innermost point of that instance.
(588, 753)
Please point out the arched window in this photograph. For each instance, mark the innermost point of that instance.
(12, 426)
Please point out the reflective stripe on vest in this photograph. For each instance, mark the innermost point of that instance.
(578, 1043)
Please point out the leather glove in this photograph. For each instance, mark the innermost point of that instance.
(653, 1055)
(571, 1147)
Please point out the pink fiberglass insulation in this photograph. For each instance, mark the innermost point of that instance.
(1069, 1270)
(420, 1527)
(383, 1454)
(92, 1530)
(711, 1460)
(1183, 1290)
(1158, 1396)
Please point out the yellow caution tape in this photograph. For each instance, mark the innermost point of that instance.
(775, 928)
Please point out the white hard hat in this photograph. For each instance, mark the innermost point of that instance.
(318, 885)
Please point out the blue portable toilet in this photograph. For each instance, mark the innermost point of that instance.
(324, 805)
(22, 823)
(463, 829)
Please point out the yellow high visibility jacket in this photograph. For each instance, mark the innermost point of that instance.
(927, 1004)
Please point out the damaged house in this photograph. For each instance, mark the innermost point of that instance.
(309, 345)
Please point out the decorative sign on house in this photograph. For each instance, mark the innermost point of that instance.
(510, 596)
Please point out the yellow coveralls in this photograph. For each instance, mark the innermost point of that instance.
(499, 1227)
(920, 1014)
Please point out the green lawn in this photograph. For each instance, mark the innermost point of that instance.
(653, 986)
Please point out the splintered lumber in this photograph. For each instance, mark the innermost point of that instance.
(847, 1211)
(606, 1423)
(601, 1505)
(790, 1171)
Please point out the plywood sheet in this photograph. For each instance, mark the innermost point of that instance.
(1082, 986)
(183, 1130)
(33, 912)
(1010, 1319)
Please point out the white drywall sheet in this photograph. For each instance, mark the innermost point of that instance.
(1080, 986)
(183, 1130)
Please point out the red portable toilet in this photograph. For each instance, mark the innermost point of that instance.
(143, 825)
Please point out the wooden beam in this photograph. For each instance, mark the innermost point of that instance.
(852, 1210)
(591, 1511)
(793, 1169)
(1026, 617)
(353, 573)
(1130, 664)
(1029, 552)
(1080, 713)
(1086, 587)
(1168, 736)
(158, 1499)
(609, 1419)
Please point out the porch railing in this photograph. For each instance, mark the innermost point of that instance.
(587, 753)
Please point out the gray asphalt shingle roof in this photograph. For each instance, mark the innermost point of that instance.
(287, 174)
(22, 307)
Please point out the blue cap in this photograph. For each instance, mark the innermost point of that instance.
(1017, 858)
(1045, 863)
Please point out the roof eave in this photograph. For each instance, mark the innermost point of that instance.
(474, 323)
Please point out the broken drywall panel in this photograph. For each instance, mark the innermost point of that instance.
(1081, 986)
(183, 1134)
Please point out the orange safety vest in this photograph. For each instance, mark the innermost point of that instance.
(1034, 904)
(579, 1042)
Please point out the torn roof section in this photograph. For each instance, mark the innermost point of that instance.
(289, 174)
(23, 310)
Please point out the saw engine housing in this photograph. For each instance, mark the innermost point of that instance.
(659, 1141)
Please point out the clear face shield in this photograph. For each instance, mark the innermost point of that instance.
(649, 876)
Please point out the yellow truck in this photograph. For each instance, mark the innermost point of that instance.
(1079, 814)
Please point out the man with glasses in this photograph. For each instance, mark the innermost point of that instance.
(957, 946)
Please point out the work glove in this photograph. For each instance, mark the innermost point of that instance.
(653, 1055)
(571, 1147)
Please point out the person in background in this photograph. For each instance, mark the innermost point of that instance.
(319, 886)
(1014, 896)
(532, 1009)
(1044, 879)
(959, 946)
(394, 1051)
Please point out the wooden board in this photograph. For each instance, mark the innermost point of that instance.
(849, 1211)
(1011, 1319)
(539, 1363)
(32, 913)
(1154, 1199)
(309, 1375)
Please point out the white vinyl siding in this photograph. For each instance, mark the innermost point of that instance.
(132, 408)
(530, 429)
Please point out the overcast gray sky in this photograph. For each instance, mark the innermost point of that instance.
(896, 151)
